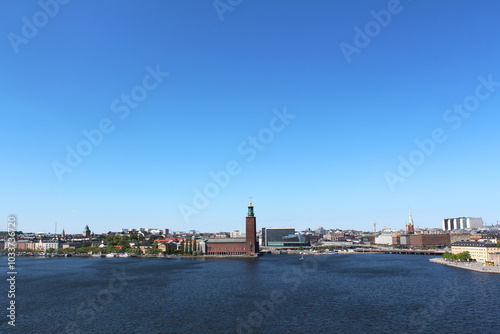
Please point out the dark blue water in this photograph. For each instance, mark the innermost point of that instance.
(272, 294)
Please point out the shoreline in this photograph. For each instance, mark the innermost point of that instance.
(474, 266)
(149, 256)
(172, 256)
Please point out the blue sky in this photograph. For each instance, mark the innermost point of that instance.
(325, 164)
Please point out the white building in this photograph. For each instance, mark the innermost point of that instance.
(384, 239)
(45, 245)
(462, 223)
(237, 234)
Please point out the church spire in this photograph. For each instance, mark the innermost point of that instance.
(410, 220)
(409, 225)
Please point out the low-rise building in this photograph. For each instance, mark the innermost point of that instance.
(384, 239)
(479, 251)
(22, 244)
(46, 244)
(163, 245)
(335, 237)
(273, 236)
(76, 244)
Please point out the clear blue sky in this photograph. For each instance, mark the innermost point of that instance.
(326, 167)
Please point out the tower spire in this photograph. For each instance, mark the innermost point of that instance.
(250, 208)
(409, 225)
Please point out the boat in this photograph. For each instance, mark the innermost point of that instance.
(302, 258)
(110, 255)
(124, 255)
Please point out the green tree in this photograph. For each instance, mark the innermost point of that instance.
(154, 251)
(125, 244)
(301, 248)
(82, 250)
(447, 255)
(498, 243)
(457, 257)
(182, 247)
(464, 256)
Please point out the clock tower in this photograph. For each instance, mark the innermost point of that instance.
(252, 246)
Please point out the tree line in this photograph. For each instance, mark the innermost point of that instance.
(464, 256)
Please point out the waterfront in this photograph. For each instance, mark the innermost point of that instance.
(274, 293)
(476, 266)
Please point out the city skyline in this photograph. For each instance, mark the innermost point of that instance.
(171, 114)
(379, 228)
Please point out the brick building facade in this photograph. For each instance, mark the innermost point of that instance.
(237, 246)
(423, 240)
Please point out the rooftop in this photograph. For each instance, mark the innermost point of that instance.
(226, 240)
(473, 244)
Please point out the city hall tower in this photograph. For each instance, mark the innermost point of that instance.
(252, 245)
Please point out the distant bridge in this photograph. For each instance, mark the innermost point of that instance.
(400, 251)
